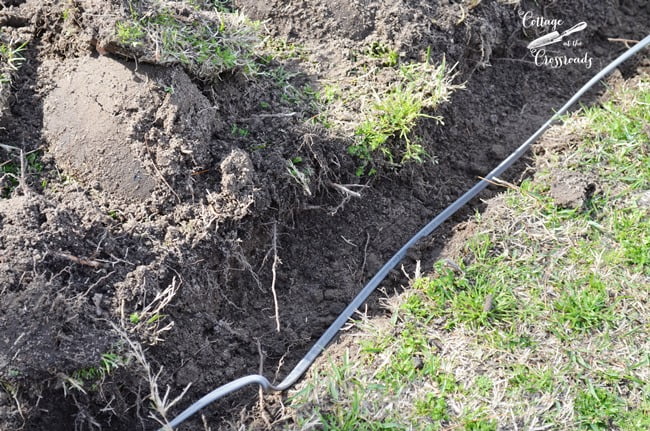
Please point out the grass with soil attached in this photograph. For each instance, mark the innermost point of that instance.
(382, 103)
(394, 114)
(540, 321)
(210, 41)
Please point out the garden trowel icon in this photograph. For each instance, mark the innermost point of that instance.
(555, 36)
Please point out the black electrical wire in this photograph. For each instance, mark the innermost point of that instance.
(334, 328)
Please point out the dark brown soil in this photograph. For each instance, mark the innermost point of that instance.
(149, 188)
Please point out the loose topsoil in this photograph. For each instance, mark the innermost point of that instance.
(150, 184)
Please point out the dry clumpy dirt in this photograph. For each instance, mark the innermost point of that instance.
(145, 187)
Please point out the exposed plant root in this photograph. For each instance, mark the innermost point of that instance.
(276, 260)
(161, 403)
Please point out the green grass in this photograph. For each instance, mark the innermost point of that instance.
(210, 42)
(91, 378)
(432, 407)
(597, 408)
(541, 319)
(107, 364)
(637, 419)
(388, 57)
(583, 304)
(387, 127)
(531, 380)
(378, 106)
(217, 5)
(11, 59)
(130, 33)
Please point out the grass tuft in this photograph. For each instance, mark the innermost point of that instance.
(207, 43)
(388, 124)
(11, 59)
(584, 304)
(596, 408)
(380, 104)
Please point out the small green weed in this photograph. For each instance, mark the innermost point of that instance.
(115, 215)
(107, 364)
(34, 161)
(155, 318)
(130, 33)
(388, 57)
(480, 424)
(240, 132)
(10, 172)
(330, 93)
(67, 14)
(8, 179)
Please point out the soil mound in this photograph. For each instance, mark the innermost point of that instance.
(86, 118)
(123, 126)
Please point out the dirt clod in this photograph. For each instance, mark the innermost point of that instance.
(571, 190)
(237, 194)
